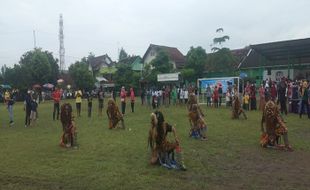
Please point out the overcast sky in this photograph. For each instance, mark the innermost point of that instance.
(102, 26)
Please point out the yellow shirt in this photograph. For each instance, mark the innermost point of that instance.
(78, 96)
(6, 95)
(246, 99)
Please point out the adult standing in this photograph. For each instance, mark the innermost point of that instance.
(56, 97)
(132, 100)
(27, 108)
(220, 89)
(215, 97)
(253, 97)
(282, 96)
(143, 96)
(10, 103)
(123, 100)
(304, 94)
(174, 96)
(100, 100)
(78, 102)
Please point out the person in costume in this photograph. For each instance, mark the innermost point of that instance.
(114, 115)
(69, 137)
(273, 127)
(198, 125)
(164, 152)
(236, 109)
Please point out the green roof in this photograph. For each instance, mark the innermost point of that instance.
(137, 65)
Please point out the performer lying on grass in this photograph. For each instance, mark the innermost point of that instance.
(236, 109)
(164, 152)
(69, 137)
(273, 129)
(198, 125)
(114, 115)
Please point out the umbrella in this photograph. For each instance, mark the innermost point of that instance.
(60, 81)
(48, 85)
(5, 86)
(36, 86)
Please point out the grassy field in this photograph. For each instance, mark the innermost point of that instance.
(30, 158)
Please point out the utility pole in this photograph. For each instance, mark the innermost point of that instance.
(34, 39)
(61, 45)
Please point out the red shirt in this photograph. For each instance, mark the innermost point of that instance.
(56, 96)
(123, 96)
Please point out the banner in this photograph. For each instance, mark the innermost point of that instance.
(212, 82)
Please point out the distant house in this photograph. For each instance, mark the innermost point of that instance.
(134, 61)
(176, 57)
(99, 63)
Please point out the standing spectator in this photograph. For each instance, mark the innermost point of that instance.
(78, 102)
(56, 97)
(167, 96)
(123, 99)
(304, 102)
(227, 98)
(154, 99)
(246, 99)
(143, 96)
(215, 97)
(174, 96)
(100, 100)
(27, 108)
(282, 96)
(148, 97)
(33, 112)
(253, 97)
(220, 89)
(185, 95)
(273, 92)
(159, 97)
(89, 103)
(208, 95)
(295, 98)
(114, 94)
(132, 100)
(262, 101)
(182, 95)
(10, 103)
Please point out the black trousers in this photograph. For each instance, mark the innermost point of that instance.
(27, 118)
(283, 107)
(123, 107)
(132, 106)
(304, 103)
(78, 109)
(56, 111)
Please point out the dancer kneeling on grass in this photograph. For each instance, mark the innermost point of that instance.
(236, 109)
(198, 125)
(274, 128)
(114, 115)
(167, 154)
(69, 137)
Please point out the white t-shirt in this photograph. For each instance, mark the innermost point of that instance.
(186, 94)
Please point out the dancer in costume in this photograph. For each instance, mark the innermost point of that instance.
(114, 115)
(69, 137)
(164, 152)
(236, 109)
(273, 129)
(198, 125)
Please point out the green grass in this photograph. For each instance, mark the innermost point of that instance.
(30, 158)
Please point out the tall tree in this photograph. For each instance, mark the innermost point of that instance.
(161, 63)
(195, 61)
(219, 40)
(81, 76)
(122, 55)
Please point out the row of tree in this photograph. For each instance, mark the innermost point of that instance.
(39, 67)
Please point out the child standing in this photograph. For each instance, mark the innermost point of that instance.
(246, 98)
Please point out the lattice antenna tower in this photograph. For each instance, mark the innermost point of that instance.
(61, 45)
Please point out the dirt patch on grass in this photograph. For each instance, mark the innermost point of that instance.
(266, 169)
